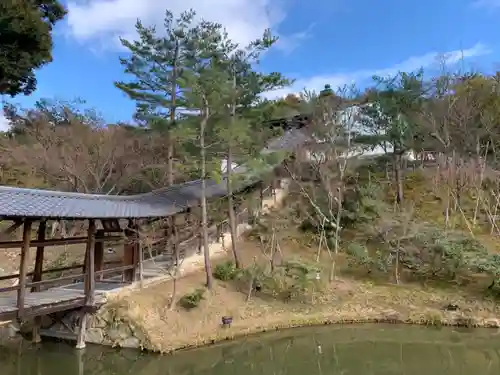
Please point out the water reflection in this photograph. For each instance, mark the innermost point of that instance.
(363, 350)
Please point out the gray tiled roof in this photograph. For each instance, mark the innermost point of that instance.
(21, 202)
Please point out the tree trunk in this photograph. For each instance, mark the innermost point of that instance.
(398, 175)
(232, 215)
(170, 159)
(173, 107)
(204, 214)
(175, 247)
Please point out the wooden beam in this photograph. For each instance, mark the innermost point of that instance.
(52, 270)
(55, 242)
(23, 267)
(15, 226)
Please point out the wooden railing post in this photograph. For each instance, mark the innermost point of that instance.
(23, 267)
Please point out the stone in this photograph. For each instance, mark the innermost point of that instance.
(94, 336)
(97, 322)
(492, 323)
(130, 343)
(119, 333)
(391, 316)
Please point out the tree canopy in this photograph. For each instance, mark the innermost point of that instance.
(25, 42)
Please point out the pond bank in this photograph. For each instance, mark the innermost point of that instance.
(143, 320)
(394, 349)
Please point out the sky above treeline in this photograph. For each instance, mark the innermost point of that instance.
(323, 41)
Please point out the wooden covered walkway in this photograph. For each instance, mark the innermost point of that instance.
(108, 219)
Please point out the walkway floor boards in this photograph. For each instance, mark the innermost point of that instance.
(55, 299)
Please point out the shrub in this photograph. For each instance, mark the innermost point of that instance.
(360, 257)
(225, 271)
(192, 300)
(290, 281)
(430, 252)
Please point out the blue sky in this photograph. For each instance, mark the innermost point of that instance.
(321, 41)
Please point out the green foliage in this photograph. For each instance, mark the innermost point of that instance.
(225, 271)
(158, 63)
(431, 253)
(191, 300)
(25, 42)
(362, 204)
(360, 258)
(289, 281)
(444, 254)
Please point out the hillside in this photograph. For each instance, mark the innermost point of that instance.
(391, 266)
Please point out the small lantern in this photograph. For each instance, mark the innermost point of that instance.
(226, 321)
(318, 275)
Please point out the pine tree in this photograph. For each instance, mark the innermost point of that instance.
(158, 64)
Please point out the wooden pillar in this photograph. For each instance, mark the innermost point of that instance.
(99, 252)
(141, 255)
(37, 273)
(137, 250)
(130, 252)
(37, 276)
(23, 267)
(89, 283)
(90, 257)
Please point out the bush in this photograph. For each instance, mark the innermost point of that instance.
(429, 253)
(225, 271)
(192, 300)
(289, 281)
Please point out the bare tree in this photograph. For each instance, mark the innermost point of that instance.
(161, 241)
(328, 157)
(81, 158)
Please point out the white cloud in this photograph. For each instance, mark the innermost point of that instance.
(289, 43)
(429, 60)
(103, 21)
(4, 123)
(492, 4)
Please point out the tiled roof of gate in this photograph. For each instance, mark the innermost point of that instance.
(21, 202)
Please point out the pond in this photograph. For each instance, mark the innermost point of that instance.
(346, 350)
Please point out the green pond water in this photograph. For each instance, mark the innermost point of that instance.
(347, 350)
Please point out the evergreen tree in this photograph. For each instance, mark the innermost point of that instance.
(158, 64)
(25, 42)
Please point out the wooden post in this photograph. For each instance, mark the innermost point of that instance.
(99, 252)
(23, 268)
(141, 256)
(90, 257)
(37, 273)
(37, 276)
(137, 250)
(89, 283)
(130, 252)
